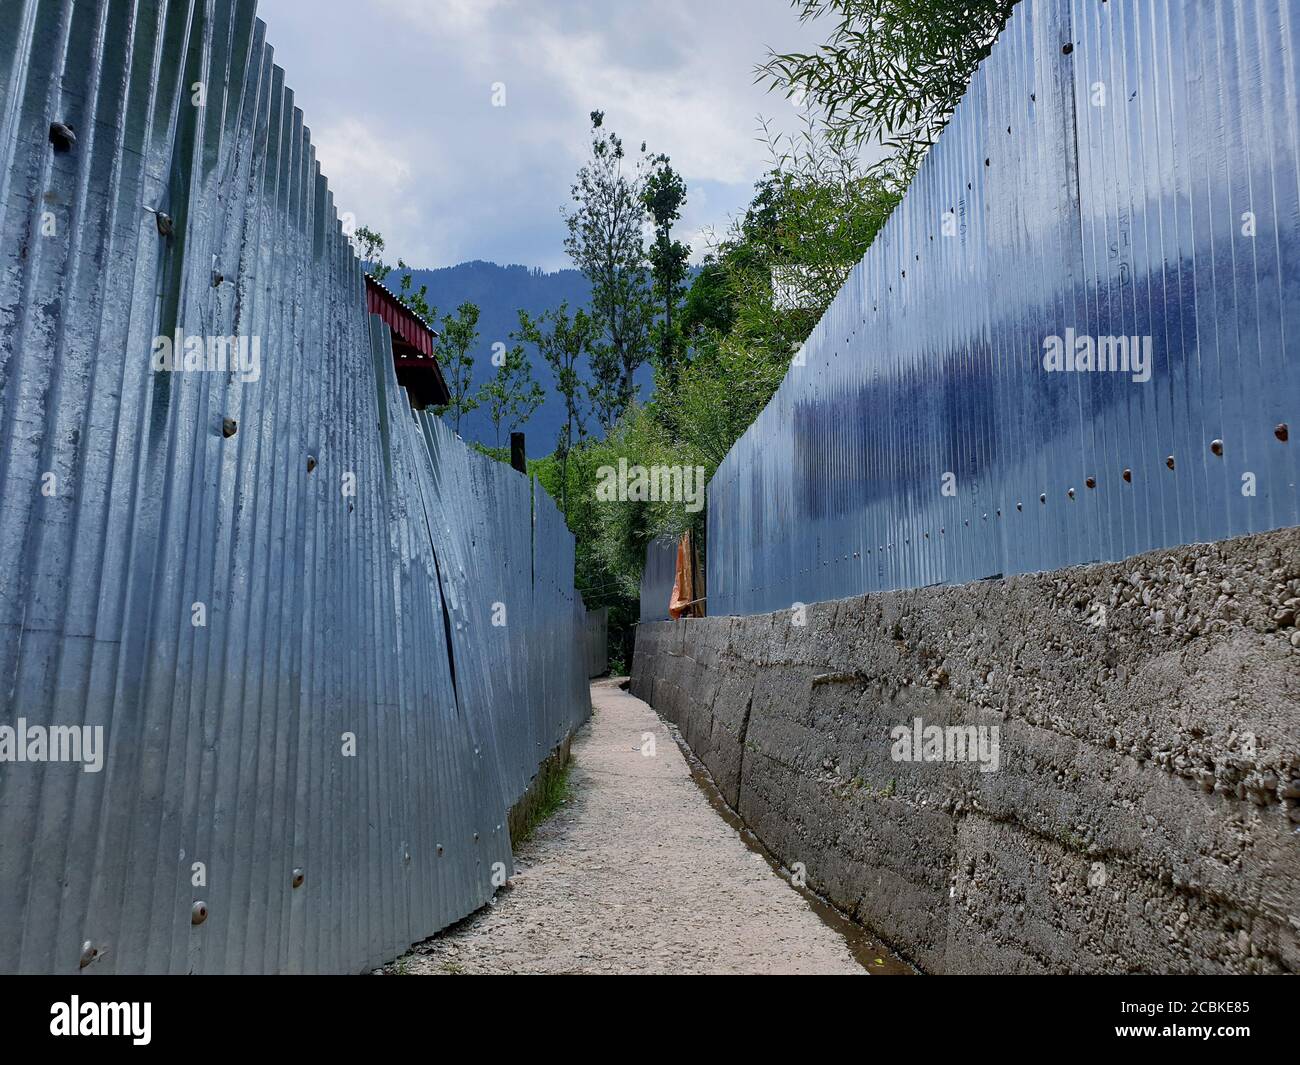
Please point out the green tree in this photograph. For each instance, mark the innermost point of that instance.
(605, 242)
(664, 196)
(605, 390)
(891, 70)
(563, 341)
(452, 348)
(369, 245)
(512, 395)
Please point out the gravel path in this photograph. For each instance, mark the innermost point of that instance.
(636, 873)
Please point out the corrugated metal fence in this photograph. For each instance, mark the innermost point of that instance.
(598, 642)
(1115, 170)
(327, 644)
(657, 578)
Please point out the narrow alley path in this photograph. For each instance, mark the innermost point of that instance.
(636, 873)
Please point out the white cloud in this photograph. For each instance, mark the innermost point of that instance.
(399, 102)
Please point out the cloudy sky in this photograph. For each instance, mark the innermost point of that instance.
(399, 97)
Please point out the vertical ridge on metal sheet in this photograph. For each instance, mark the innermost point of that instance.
(1119, 170)
(238, 573)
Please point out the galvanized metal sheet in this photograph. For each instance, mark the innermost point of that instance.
(598, 642)
(327, 644)
(658, 577)
(1115, 170)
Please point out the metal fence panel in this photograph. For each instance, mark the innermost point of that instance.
(1121, 170)
(598, 642)
(327, 643)
(658, 577)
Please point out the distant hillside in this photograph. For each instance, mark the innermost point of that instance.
(500, 292)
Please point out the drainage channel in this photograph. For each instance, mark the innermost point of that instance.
(869, 952)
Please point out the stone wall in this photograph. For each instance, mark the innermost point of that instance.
(1144, 810)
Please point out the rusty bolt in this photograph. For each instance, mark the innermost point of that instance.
(1281, 432)
(1067, 48)
(229, 427)
(62, 137)
(298, 878)
(1091, 482)
(1170, 462)
(311, 463)
(1216, 446)
(1128, 475)
(198, 912)
(89, 952)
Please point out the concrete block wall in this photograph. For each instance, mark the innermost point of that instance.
(1143, 817)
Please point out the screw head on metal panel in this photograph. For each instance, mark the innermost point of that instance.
(439, 850)
(1216, 446)
(229, 427)
(62, 136)
(199, 912)
(1020, 506)
(475, 837)
(1128, 475)
(311, 463)
(1170, 462)
(1043, 498)
(298, 877)
(89, 952)
(1067, 48)
(1091, 482)
(165, 224)
(1281, 432)
(1070, 493)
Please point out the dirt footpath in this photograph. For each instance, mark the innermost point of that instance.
(636, 873)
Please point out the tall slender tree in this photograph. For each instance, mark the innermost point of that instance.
(563, 341)
(664, 196)
(605, 242)
(512, 395)
(459, 332)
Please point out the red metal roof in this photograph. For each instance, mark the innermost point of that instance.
(403, 321)
(413, 339)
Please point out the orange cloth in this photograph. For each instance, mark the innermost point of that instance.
(683, 581)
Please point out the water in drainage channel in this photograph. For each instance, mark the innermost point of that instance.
(868, 952)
